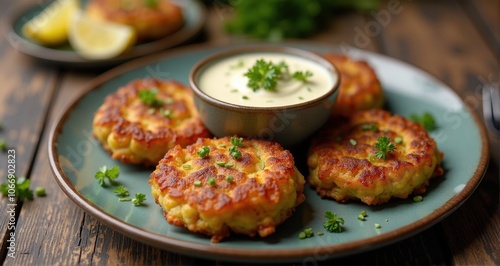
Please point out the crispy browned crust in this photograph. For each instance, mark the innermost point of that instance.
(344, 171)
(265, 189)
(136, 133)
(359, 86)
(150, 22)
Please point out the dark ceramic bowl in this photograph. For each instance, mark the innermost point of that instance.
(286, 124)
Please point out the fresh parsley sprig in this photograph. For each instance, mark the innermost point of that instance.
(333, 224)
(302, 76)
(139, 199)
(22, 189)
(263, 75)
(109, 174)
(383, 146)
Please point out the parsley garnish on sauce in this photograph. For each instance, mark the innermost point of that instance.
(266, 75)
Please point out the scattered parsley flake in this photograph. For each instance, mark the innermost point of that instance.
(234, 152)
(148, 97)
(220, 163)
(426, 120)
(197, 183)
(371, 127)
(333, 223)
(353, 142)
(244, 97)
(151, 3)
(398, 140)
(3, 144)
(378, 226)
(301, 76)
(229, 178)
(418, 198)
(22, 189)
(229, 165)
(167, 113)
(307, 233)
(40, 192)
(238, 142)
(186, 166)
(204, 151)
(211, 181)
(124, 199)
(109, 174)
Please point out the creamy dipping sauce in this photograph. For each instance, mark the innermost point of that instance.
(224, 80)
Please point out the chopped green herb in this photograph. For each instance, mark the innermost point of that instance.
(151, 3)
(320, 233)
(233, 90)
(383, 146)
(362, 215)
(121, 191)
(238, 64)
(301, 76)
(307, 233)
(371, 127)
(244, 97)
(22, 189)
(229, 178)
(238, 142)
(372, 158)
(220, 163)
(262, 165)
(234, 152)
(151, 111)
(301, 98)
(148, 97)
(139, 199)
(167, 113)
(211, 181)
(40, 192)
(426, 120)
(186, 166)
(333, 222)
(3, 145)
(398, 140)
(229, 165)
(204, 151)
(418, 198)
(197, 183)
(353, 142)
(109, 174)
(124, 199)
(378, 226)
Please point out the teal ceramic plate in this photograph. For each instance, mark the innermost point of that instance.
(75, 157)
(194, 13)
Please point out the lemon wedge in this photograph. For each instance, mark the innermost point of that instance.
(93, 39)
(50, 27)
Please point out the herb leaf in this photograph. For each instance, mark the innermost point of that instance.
(263, 75)
(109, 174)
(333, 223)
(121, 191)
(426, 120)
(139, 199)
(148, 97)
(301, 76)
(383, 146)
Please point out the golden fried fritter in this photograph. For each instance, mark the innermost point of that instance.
(218, 194)
(141, 121)
(152, 19)
(344, 165)
(359, 86)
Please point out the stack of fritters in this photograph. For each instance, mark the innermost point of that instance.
(217, 194)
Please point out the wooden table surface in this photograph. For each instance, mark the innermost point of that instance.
(456, 41)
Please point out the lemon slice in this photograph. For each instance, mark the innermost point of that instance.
(50, 27)
(94, 39)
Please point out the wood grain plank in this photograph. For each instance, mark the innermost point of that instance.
(427, 36)
(486, 16)
(25, 94)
